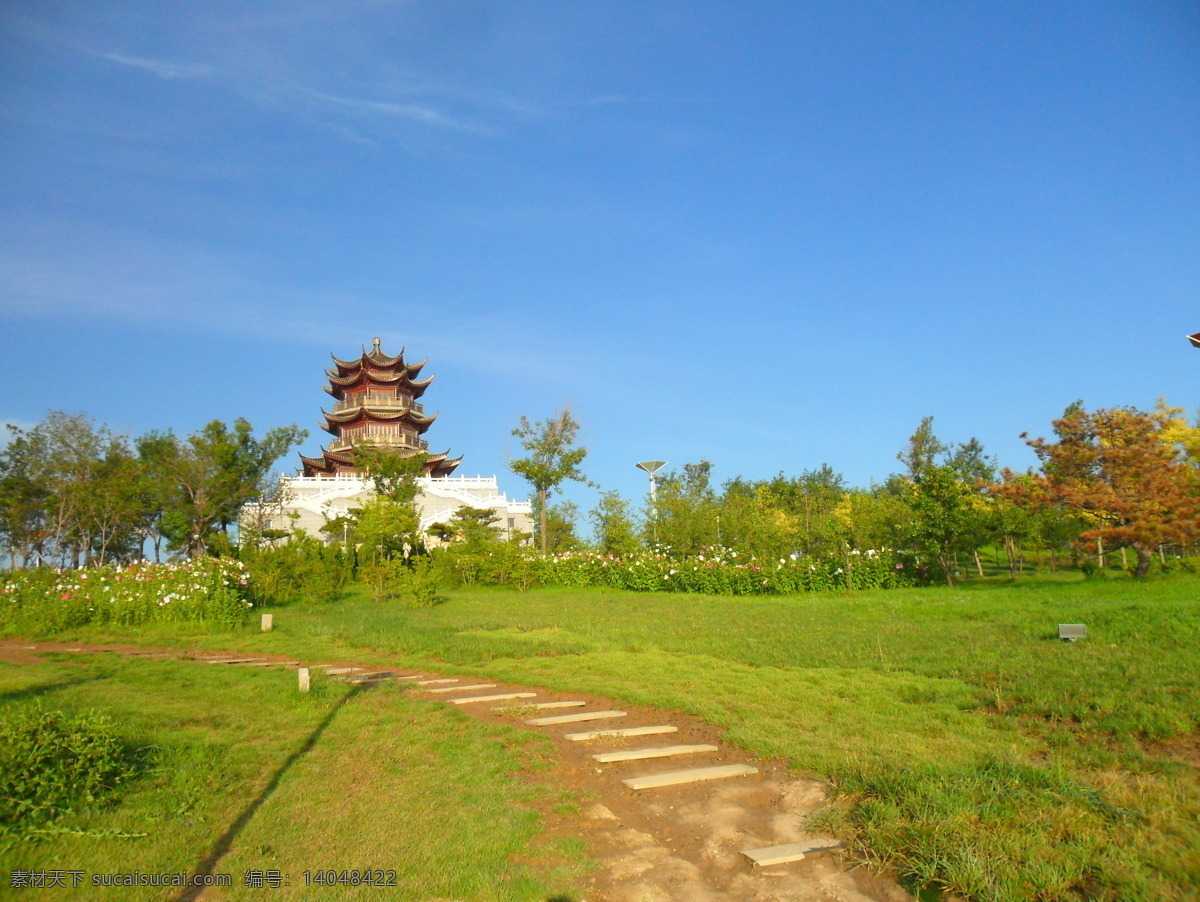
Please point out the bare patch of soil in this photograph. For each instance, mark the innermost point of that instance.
(1183, 749)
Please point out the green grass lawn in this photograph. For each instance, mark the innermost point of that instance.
(239, 772)
(971, 749)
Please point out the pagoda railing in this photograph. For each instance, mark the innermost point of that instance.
(349, 437)
(355, 401)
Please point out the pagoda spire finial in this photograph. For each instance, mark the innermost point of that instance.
(375, 345)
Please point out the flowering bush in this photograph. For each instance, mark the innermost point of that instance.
(720, 571)
(206, 590)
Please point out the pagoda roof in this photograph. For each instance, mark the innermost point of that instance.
(377, 359)
(379, 414)
(338, 382)
(436, 465)
(444, 466)
(364, 414)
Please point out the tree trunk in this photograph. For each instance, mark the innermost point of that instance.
(542, 518)
(978, 563)
(1011, 551)
(1144, 556)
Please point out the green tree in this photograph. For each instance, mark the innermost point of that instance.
(687, 513)
(615, 531)
(552, 458)
(947, 517)
(69, 452)
(216, 471)
(111, 511)
(559, 529)
(157, 488)
(474, 526)
(395, 476)
(24, 498)
(921, 451)
(874, 518)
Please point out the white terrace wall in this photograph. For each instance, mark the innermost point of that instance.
(316, 499)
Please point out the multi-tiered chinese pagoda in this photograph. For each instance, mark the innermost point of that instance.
(375, 402)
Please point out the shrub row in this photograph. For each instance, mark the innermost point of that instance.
(204, 590)
(52, 763)
(717, 572)
(723, 572)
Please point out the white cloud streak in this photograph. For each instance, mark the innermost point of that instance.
(164, 69)
(424, 115)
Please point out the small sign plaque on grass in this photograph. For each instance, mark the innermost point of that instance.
(1069, 632)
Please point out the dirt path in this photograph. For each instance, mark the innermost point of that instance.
(681, 842)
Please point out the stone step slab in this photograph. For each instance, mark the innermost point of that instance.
(574, 718)
(696, 775)
(665, 751)
(463, 688)
(271, 664)
(435, 682)
(230, 660)
(793, 851)
(491, 698)
(342, 671)
(619, 734)
(541, 706)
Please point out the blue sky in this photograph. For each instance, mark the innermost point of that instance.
(770, 235)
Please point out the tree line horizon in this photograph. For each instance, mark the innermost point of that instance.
(73, 493)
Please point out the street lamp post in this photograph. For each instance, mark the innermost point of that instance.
(651, 467)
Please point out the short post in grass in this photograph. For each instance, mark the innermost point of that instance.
(268, 622)
(305, 678)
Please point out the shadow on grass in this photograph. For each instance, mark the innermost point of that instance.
(39, 689)
(225, 843)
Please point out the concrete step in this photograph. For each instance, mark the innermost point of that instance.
(435, 682)
(271, 664)
(543, 705)
(793, 851)
(463, 688)
(574, 718)
(342, 671)
(230, 660)
(664, 751)
(491, 698)
(679, 777)
(373, 677)
(619, 734)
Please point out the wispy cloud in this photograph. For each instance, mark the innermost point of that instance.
(147, 283)
(162, 68)
(425, 115)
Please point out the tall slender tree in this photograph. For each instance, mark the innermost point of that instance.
(553, 457)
